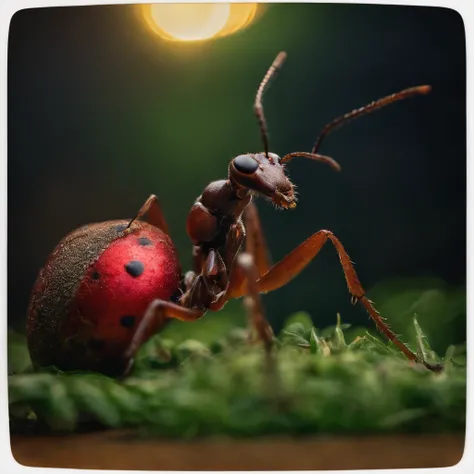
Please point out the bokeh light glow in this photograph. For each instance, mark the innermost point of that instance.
(198, 21)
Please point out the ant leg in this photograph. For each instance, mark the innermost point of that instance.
(244, 262)
(244, 270)
(253, 304)
(155, 214)
(156, 314)
(233, 243)
(210, 288)
(199, 257)
(255, 243)
(253, 300)
(203, 288)
(293, 263)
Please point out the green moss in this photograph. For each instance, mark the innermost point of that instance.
(315, 382)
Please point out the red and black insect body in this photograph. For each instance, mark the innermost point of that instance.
(93, 292)
(107, 287)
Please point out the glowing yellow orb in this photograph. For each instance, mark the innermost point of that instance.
(198, 21)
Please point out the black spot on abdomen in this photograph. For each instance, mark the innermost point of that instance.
(127, 321)
(144, 241)
(135, 268)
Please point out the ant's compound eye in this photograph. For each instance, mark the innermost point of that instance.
(245, 164)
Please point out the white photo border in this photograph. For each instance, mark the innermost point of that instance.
(9, 7)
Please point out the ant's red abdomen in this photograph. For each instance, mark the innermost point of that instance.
(94, 290)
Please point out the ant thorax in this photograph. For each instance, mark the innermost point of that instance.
(215, 210)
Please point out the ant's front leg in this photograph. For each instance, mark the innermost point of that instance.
(293, 263)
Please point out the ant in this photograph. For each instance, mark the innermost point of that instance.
(229, 250)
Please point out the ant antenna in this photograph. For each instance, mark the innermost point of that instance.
(258, 107)
(367, 109)
(313, 156)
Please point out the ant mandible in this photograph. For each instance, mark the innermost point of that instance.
(224, 217)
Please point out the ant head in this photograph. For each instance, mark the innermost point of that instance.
(265, 175)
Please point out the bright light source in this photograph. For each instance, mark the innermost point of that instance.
(198, 21)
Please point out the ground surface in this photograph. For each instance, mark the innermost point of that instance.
(201, 397)
(116, 450)
(339, 381)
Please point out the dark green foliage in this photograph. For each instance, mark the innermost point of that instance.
(320, 382)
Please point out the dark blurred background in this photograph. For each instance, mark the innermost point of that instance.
(102, 112)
